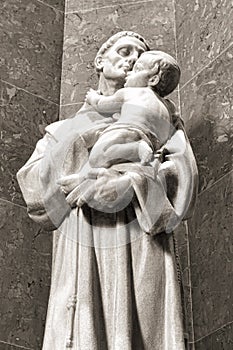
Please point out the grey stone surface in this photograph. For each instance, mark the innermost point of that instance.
(222, 339)
(23, 119)
(82, 5)
(85, 32)
(204, 30)
(211, 254)
(58, 4)
(25, 256)
(8, 346)
(31, 47)
(206, 105)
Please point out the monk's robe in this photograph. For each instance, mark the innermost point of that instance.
(114, 273)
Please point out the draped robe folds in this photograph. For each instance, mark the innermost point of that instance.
(114, 277)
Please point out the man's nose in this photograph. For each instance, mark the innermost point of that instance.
(132, 58)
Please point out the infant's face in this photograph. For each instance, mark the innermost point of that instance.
(141, 73)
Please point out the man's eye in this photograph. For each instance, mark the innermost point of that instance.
(124, 51)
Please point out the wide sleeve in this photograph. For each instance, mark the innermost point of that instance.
(166, 197)
(45, 201)
(62, 151)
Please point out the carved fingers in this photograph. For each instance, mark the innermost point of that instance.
(68, 183)
(92, 97)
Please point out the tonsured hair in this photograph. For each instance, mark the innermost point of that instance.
(113, 39)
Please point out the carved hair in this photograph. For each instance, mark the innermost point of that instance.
(168, 71)
(113, 39)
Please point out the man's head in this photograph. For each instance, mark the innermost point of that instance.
(119, 53)
(156, 69)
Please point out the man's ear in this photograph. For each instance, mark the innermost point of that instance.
(153, 81)
(99, 63)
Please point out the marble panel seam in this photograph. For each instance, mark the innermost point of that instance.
(9, 202)
(174, 28)
(71, 104)
(176, 50)
(109, 6)
(28, 92)
(52, 7)
(215, 183)
(189, 279)
(211, 333)
(206, 66)
(17, 346)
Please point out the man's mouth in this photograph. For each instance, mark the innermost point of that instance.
(126, 68)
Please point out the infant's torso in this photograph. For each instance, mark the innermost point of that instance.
(143, 108)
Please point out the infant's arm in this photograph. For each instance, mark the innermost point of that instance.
(106, 104)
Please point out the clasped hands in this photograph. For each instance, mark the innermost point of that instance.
(100, 188)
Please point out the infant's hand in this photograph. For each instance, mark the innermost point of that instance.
(92, 97)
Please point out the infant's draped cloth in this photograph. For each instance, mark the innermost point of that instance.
(120, 266)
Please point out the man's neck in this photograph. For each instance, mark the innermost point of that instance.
(108, 87)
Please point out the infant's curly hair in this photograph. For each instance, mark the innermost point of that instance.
(168, 70)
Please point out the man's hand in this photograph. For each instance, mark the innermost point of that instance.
(104, 190)
(68, 183)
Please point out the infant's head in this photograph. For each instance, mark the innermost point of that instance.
(156, 69)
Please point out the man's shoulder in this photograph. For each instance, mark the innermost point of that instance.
(52, 128)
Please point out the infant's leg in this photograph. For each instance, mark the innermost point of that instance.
(114, 147)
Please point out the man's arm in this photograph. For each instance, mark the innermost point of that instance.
(106, 104)
(162, 197)
(46, 203)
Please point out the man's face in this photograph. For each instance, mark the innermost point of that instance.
(120, 58)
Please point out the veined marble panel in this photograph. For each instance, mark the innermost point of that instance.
(211, 255)
(23, 119)
(206, 105)
(82, 5)
(85, 32)
(7, 346)
(31, 47)
(204, 30)
(58, 4)
(25, 257)
(222, 339)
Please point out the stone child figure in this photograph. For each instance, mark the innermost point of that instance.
(144, 123)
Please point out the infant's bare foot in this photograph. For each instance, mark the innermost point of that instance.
(145, 152)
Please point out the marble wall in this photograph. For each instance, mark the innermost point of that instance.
(205, 52)
(30, 68)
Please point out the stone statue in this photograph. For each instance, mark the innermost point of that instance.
(114, 275)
